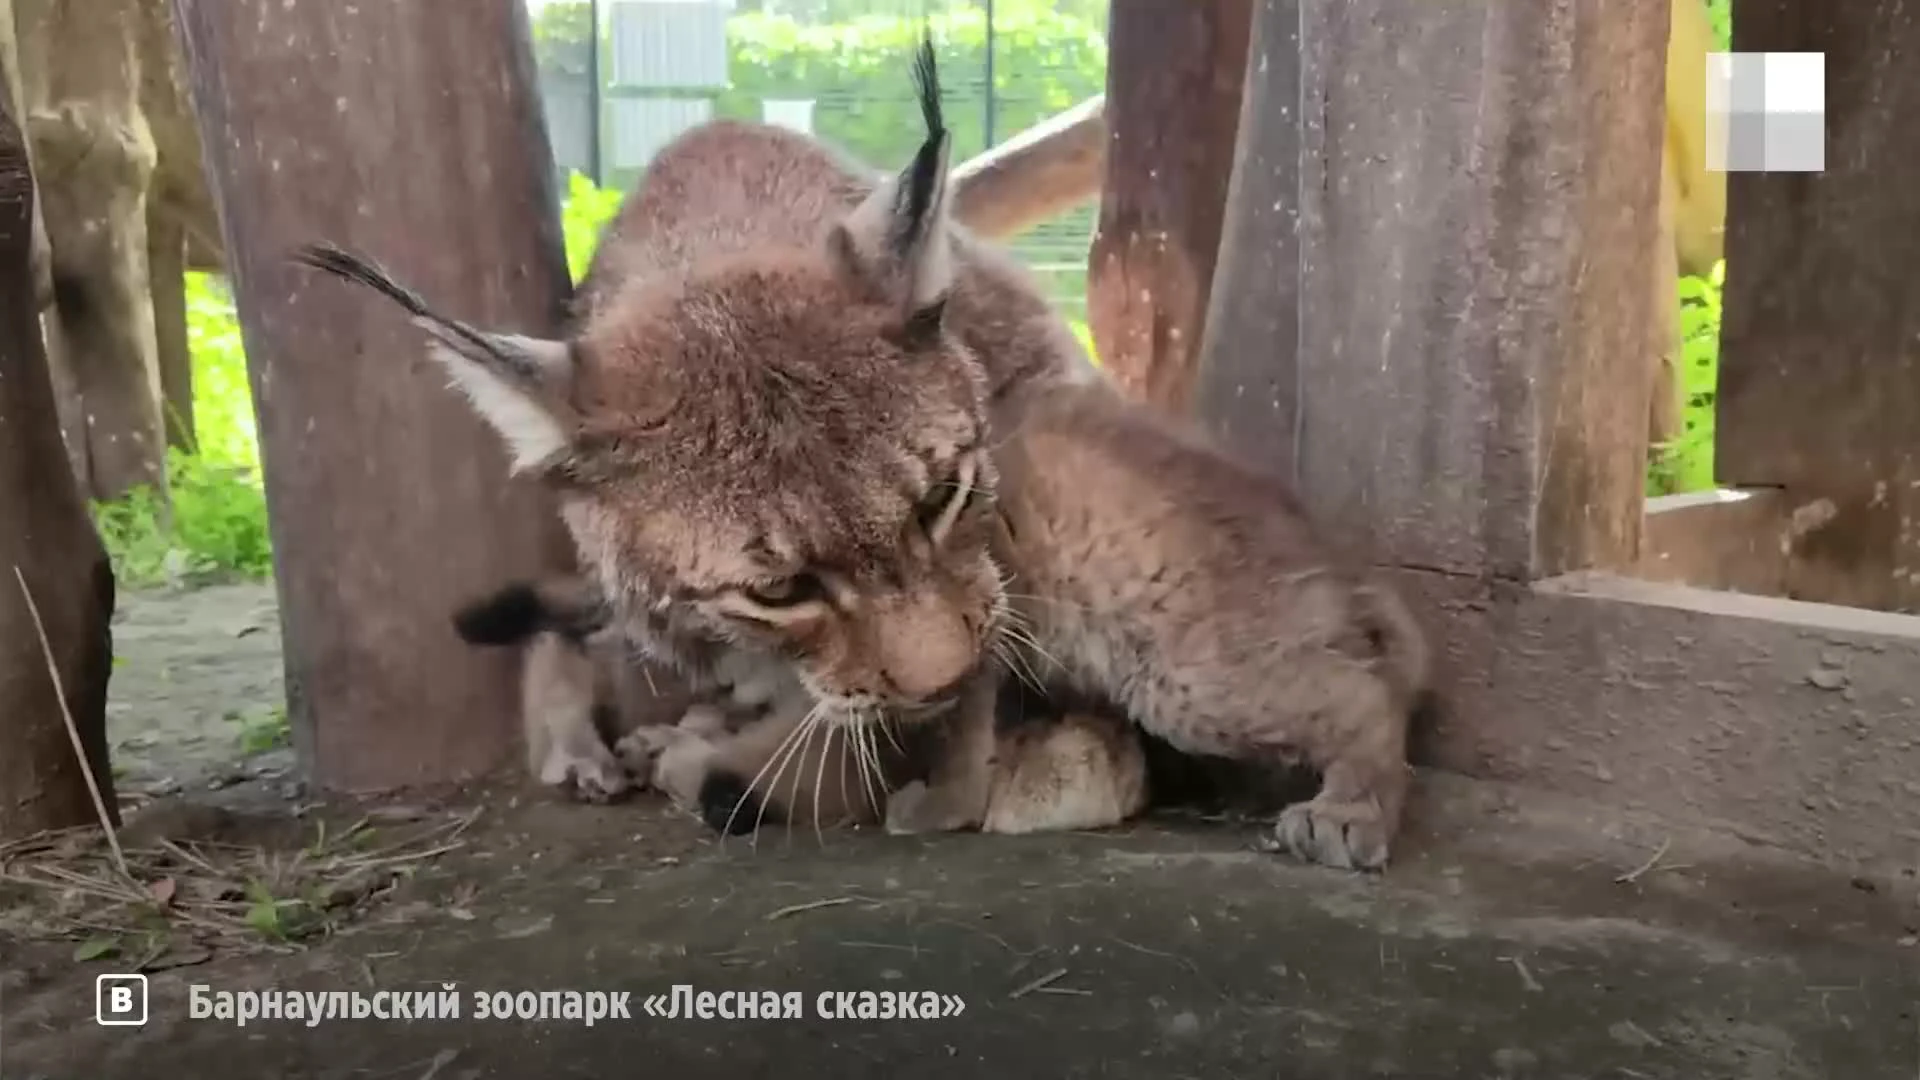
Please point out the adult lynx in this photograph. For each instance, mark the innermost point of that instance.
(778, 430)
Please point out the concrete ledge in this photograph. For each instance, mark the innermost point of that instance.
(1789, 723)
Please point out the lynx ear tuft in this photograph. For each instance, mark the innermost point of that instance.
(508, 377)
(898, 238)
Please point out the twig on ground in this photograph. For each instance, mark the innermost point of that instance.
(225, 896)
(815, 905)
(1040, 983)
(73, 731)
(1526, 977)
(1634, 875)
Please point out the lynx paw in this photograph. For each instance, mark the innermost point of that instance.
(1343, 835)
(916, 808)
(640, 749)
(591, 776)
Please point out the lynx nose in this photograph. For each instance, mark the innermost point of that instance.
(926, 655)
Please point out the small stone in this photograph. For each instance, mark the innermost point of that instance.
(1512, 1059)
(521, 928)
(1628, 1033)
(1827, 678)
(1183, 1025)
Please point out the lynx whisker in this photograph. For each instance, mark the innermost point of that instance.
(819, 780)
(808, 725)
(1024, 637)
(760, 775)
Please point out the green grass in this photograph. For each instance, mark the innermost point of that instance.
(217, 527)
(1686, 463)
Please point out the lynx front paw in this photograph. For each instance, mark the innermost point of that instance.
(591, 776)
(640, 748)
(1343, 835)
(916, 808)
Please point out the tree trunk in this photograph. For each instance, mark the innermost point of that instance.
(389, 501)
(1174, 75)
(167, 275)
(178, 207)
(94, 157)
(47, 541)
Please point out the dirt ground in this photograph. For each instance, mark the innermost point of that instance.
(1517, 935)
(196, 671)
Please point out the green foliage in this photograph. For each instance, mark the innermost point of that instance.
(1044, 62)
(1720, 18)
(1046, 58)
(560, 35)
(216, 525)
(262, 731)
(1686, 463)
(583, 215)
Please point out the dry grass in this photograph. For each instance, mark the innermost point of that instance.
(183, 902)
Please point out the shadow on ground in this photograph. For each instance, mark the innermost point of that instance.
(1516, 937)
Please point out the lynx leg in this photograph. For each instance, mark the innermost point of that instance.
(954, 795)
(564, 748)
(1359, 745)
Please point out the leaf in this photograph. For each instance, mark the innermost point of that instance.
(94, 948)
(264, 916)
(163, 891)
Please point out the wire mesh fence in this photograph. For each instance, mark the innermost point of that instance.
(620, 78)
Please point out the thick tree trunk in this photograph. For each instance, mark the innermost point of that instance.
(390, 502)
(47, 541)
(94, 157)
(1174, 75)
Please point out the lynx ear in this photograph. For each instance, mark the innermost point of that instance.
(897, 239)
(509, 378)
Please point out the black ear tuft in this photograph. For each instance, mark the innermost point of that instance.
(332, 259)
(507, 617)
(926, 88)
(921, 180)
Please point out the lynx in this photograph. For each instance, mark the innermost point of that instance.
(1151, 570)
(777, 430)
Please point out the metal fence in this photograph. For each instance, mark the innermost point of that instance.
(620, 78)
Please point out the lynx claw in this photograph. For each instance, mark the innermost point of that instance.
(593, 777)
(1345, 836)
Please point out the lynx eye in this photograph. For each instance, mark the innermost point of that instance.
(789, 592)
